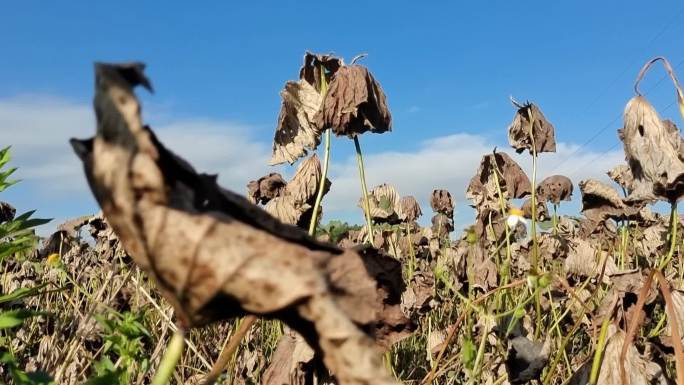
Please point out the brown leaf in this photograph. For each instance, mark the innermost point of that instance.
(354, 104)
(287, 209)
(265, 188)
(519, 130)
(409, 209)
(297, 130)
(419, 293)
(384, 203)
(442, 202)
(652, 151)
(212, 254)
(640, 371)
(622, 175)
(304, 184)
(600, 202)
(511, 177)
(311, 69)
(554, 189)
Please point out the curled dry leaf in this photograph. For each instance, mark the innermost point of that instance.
(419, 293)
(442, 202)
(304, 184)
(354, 104)
(640, 371)
(584, 260)
(264, 189)
(600, 202)
(311, 69)
(554, 189)
(622, 175)
(442, 225)
(519, 130)
(297, 130)
(7, 212)
(652, 151)
(213, 254)
(409, 209)
(512, 179)
(384, 202)
(287, 209)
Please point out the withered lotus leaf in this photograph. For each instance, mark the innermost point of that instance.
(264, 189)
(442, 224)
(555, 188)
(622, 175)
(354, 104)
(442, 202)
(511, 177)
(384, 202)
(297, 130)
(213, 254)
(311, 69)
(639, 370)
(652, 151)
(600, 202)
(286, 209)
(409, 209)
(304, 184)
(542, 130)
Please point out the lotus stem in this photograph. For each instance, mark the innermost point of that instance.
(534, 260)
(598, 355)
(364, 189)
(673, 236)
(228, 351)
(168, 362)
(321, 186)
(326, 160)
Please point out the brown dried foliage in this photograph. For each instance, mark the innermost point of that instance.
(542, 130)
(213, 254)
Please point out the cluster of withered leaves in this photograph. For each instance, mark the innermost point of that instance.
(213, 254)
(291, 202)
(328, 94)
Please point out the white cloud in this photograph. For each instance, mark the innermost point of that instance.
(449, 162)
(39, 129)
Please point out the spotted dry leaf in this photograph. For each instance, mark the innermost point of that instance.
(519, 130)
(512, 179)
(652, 151)
(409, 209)
(264, 189)
(214, 255)
(555, 188)
(419, 293)
(354, 104)
(442, 202)
(584, 260)
(297, 130)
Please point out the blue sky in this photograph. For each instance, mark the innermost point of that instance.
(448, 69)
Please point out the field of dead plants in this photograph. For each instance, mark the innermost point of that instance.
(179, 280)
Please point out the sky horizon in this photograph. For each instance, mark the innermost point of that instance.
(448, 71)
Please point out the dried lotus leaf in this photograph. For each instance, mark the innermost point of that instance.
(304, 184)
(409, 209)
(265, 188)
(555, 188)
(519, 130)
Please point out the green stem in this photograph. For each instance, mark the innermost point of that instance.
(321, 186)
(505, 269)
(673, 236)
(364, 189)
(168, 362)
(534, 260)
(326, 160)
(596, 364)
